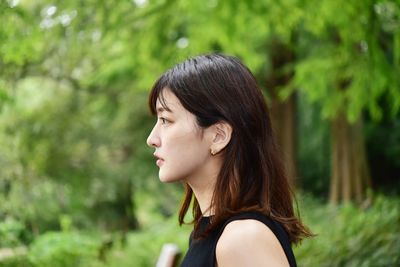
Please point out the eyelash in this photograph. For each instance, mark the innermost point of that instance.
(163, 120)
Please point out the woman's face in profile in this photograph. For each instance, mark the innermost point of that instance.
(182, 149)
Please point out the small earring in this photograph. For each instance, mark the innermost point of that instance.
(212, 152)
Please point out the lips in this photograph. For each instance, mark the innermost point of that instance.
(159, 161)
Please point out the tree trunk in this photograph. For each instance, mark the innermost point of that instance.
(350, 172)
(283, 112)
(283, 121)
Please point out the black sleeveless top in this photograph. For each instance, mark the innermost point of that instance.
(201, 253)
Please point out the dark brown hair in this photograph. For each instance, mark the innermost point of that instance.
(218, 88)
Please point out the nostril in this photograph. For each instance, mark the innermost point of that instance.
(151, 142)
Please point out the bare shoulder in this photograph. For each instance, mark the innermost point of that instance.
(249, 243)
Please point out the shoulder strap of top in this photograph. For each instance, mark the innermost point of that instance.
(275, 227)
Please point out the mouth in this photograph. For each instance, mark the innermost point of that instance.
(159, 161)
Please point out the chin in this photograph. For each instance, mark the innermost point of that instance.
(165, 178)
(168, 179)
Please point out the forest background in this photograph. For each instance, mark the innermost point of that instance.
(78, 185)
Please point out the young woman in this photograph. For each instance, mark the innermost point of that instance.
(213, 133)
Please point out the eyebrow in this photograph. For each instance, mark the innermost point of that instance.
(162, 109)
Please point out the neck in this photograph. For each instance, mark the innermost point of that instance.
(203, 185)
(204, 197)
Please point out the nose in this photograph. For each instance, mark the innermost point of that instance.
(153, 140)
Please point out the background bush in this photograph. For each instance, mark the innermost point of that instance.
(349, 236)
(63, 249)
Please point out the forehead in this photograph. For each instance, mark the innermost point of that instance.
(167, 101)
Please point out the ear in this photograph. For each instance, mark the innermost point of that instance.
(222, 133)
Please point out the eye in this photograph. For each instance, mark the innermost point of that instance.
(163, 120)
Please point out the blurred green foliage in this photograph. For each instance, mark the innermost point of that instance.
(74, 77)
(313, 148)
(352, 236)
(11, 232)
(64, 249)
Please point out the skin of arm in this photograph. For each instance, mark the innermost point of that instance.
(249, 243)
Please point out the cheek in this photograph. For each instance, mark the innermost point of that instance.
(186, 155)
(190, 146)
